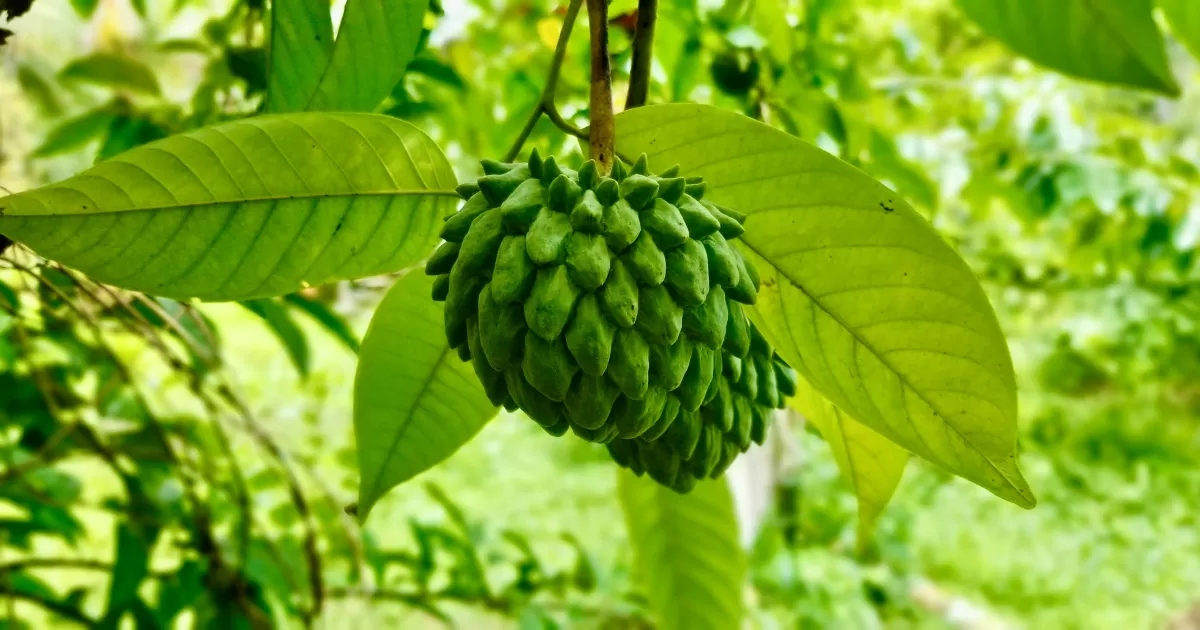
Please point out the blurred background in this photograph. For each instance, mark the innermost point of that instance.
(178, 465)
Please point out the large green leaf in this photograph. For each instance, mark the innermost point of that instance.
(685, 552)
(1115, 41)
(870, 462)
(1184, 16)
(859, 293)
(301, 44)
(415, 401)
(375, 42)
(246, 209)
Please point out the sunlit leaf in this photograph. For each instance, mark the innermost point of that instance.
(1114, 41)
(872, 464)
(375, 42)
(246, 209)
(112, 70)
(1184, 16)
(301, 44)
(686, 554)
(770, 20)
(415, 401)
(859, 293)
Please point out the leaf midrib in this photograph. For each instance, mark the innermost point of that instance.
(421, 393)
(255, 199)
(879, 357)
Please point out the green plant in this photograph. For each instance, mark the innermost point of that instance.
(895, 342)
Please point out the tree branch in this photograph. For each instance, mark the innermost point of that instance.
(545, 103)
(602, 132)
(643, 54)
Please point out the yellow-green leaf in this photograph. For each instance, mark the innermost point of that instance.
(252, 208)
(376, 41)
(686, 555)
(415, 401)
(112, 70)
(301, 44)
(872, 464)
(1184, 16)
(1114, 41)
(859, 293)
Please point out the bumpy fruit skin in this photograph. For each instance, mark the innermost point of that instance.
(611, 307)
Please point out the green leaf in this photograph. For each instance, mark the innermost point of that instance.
(376, 40)
(249, 65)
(415, 402)
(112, 70)
(39, 91)
(686, 555)
(76, 132)
(1184, 16)
(285, 329)
(131, 567)
(85, 8)
(870, 462)
(770, 20)
(301, 45)
(859, 293)
(438, 70)
(246, 209)
(126, 132)
(1113, 41)
(335, 324)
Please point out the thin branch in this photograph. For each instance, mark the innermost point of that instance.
(643, 54)
(43, 457)
(545, 104)
(59, 608)
(264, 440)
(70, 563)
(602, 132)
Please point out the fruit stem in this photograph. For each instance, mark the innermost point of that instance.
(602, 133)
(643, 54)
(546, 102)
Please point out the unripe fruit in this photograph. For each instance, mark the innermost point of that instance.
(611, 307)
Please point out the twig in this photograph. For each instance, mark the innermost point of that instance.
(264, 440)
(43, 457)
(70, 563)
(545, 104)
(602, 131)
(59, 608)
(643, 54)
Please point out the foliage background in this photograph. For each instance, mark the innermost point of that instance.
(1076, 204)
